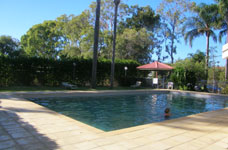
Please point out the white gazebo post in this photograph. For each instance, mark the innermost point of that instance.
(225, 56)
(125, 68)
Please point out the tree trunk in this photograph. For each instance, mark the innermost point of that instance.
(114, 44)
(172, 49)
(226, 68)
(172, 41)
(207, 55)
(95, 46)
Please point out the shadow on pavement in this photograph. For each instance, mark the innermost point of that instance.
(15, 133)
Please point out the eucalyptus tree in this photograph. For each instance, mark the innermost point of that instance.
(141, 17)
(9, 46)
(117, 2)
(77, 34)
(202, 24)
(138, 35)
(173, 13)
(223, 11)
(136, 45)
(107, 16)
(95, 47)
(43, 40)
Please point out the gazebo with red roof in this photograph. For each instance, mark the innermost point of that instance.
(156, 66)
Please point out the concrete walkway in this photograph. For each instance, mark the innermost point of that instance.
(25, 125)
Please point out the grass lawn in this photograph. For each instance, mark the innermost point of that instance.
(47, 88)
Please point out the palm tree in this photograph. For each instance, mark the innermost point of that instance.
(117, 2)
(202, 24)
(223, 11)
(95, 46)
(223, 32)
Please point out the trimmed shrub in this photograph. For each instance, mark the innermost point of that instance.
(50, 72)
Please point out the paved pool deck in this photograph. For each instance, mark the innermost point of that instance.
(25, 125)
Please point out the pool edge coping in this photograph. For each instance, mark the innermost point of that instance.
(20, 96)
(102, 92)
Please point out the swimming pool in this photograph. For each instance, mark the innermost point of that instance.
(114, 112)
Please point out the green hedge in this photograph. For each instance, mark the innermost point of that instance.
(39, 71)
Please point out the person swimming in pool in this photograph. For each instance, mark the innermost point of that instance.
(167, 113)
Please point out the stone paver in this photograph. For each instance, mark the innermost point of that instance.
(27, 126)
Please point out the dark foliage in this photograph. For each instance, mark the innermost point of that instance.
(50, 72)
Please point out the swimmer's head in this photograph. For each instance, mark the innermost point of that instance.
(167, 110)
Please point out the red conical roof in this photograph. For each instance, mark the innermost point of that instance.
(155, 66)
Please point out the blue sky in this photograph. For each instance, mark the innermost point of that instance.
(18, 16)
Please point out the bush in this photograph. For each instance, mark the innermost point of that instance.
(188, 73)
(50, 72)
(225, 90)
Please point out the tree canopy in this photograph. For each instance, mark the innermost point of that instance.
(72, 36)
(9, 46)
(143, 34)
(173, 13)
(42, 40)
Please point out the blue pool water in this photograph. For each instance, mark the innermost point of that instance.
(117, 112)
